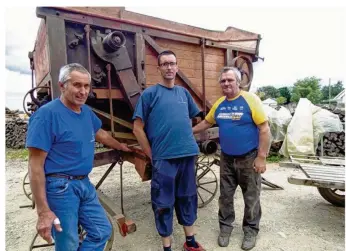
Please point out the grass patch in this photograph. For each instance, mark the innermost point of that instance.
(23, 154)
(275, 158)
(17, 154)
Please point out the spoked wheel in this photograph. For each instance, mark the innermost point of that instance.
(26, 186)
(206, 180)
(109, 243)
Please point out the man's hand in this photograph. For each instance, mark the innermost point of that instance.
(260, 164)
(44, 225)
(125, 148)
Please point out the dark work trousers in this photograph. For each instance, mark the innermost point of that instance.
(234, 171)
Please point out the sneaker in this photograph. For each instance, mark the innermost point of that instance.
(249, 242)
(186, 248)
(223, 239)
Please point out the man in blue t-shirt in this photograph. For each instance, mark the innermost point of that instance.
(162, 125)
(61, 139)
(244, 139)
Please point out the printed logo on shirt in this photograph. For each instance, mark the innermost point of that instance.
(222, 108)
(181, 100)
(235, 108)
(241, 108)
(230, 115)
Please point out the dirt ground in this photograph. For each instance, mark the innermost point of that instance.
(296, 218)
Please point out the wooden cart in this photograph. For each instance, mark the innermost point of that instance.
(325, 173)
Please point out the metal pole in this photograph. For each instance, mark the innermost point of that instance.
(110, 97)
(329, 93)
(203, 79)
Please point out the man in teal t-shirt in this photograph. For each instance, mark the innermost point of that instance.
(61, 140)
(163, 128)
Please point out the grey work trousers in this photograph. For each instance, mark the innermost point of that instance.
(240, 171)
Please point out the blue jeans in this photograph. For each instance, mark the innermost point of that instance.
(173, 186)
(75, 202)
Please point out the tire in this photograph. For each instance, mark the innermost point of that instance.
(329, 195)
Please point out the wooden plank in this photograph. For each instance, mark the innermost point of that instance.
(317, 183)
(104, 93)
(333, 161)
(164, 43)
(229, 57)
(57, 50)
(316, 166)
(228, 46)
(187, 63)
(115, 119)
(322, 172)
(140, 60)
(190, 55)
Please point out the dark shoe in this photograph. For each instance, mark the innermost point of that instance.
(249, 242)
(186, 248)
(223, 239)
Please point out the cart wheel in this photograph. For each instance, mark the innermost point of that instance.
(334, 196)
(26, 186)
(206, 180)
(109, 243)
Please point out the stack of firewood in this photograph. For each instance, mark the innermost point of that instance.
(333, 142)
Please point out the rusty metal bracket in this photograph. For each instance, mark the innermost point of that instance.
(115, 119)
(112, 50)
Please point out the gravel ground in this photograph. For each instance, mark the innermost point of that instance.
(296, 218)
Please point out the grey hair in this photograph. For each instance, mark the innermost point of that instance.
(65, 71)
(234, 70)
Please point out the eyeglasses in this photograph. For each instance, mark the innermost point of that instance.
(166, 64)
(229, 80)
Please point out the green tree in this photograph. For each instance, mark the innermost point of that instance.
(269, 92)
(286, 93)
(281, 100)
(309, 88)
(334, 90)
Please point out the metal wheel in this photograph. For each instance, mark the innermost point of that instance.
(206, 180)
(26, 186)
(245, 67)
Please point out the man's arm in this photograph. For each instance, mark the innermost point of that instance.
(138, 131)
(37, 178)
(105, 138)
(202, 126)
(264, 139)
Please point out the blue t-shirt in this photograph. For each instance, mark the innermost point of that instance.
(238, 119)
(166, 114)
(67, 137)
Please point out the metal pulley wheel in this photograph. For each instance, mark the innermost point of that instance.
(244, 65)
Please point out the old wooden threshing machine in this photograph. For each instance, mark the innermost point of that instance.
(119, 48)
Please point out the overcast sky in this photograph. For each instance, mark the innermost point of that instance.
(297, 42)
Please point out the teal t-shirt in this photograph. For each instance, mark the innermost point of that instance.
(166, 114)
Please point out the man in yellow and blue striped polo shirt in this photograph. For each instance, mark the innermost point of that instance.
(244, 140)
